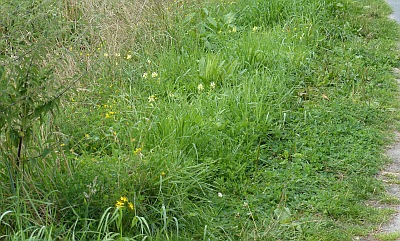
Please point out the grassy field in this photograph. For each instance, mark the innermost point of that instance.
(194, 120)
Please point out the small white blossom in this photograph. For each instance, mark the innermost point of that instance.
(152, 98)
(219, 194)
(200, 87)
(212, 85)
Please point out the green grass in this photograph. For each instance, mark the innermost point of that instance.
(388, 236)
(217, 120)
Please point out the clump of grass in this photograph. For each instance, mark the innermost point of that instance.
(388, 236)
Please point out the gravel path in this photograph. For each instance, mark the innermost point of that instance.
(395, 4)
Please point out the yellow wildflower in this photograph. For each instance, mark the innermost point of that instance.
(130, 206)
(119, 204)
(154, 74)
(128, 56)
(124, 199)
(137, 151)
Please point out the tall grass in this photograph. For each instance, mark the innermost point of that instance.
(190, 120)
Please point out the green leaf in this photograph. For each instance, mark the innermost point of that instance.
(282, 214)
(205, 10)
(188, 18)
(43, 109)
(2, 72)
(45, 152)
(229, 18)
(212, 22)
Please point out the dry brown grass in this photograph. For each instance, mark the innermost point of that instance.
(140, 26)
(123, 24)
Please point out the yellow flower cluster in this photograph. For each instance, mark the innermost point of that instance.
(109, 114)
(137, 152)
(122, 201)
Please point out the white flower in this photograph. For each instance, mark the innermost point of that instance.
(128, 56)
(154, 74)
(219, 194)
(200, 87)
(212, 85)
(152, 98)
(145, 75)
